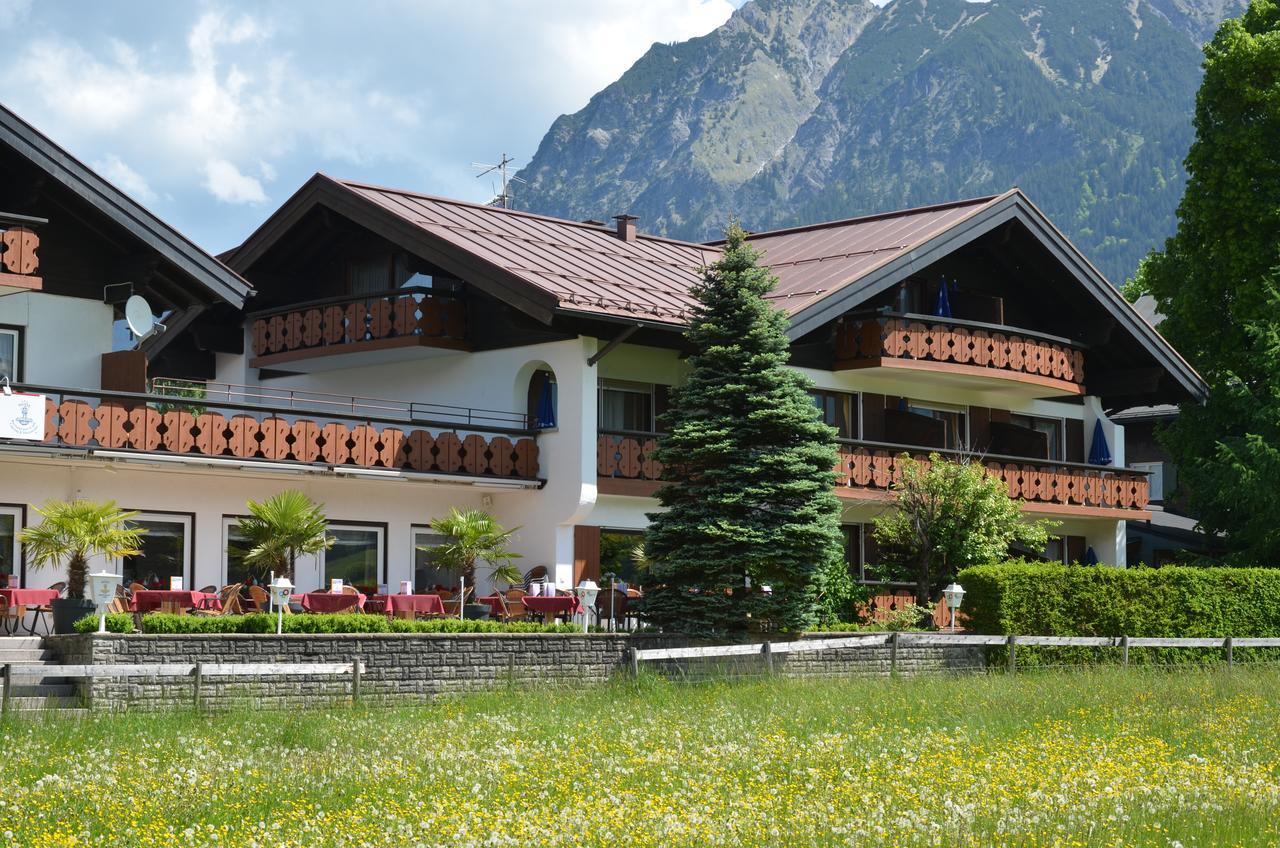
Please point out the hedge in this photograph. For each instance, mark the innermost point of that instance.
(336, 623)
(1050, 599)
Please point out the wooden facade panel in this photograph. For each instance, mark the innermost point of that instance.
(586, 553)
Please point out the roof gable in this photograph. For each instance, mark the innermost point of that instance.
(205, 273)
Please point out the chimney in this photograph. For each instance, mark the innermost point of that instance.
(626, 226)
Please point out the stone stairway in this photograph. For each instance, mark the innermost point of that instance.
(36, 694)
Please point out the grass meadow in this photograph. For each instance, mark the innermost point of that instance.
(1104, 757)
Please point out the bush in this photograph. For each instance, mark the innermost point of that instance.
(1072, 600)
(337, 623)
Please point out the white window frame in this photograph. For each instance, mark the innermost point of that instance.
(963, 409)
(648, 389)
(414, 531)
(855, 406)
(19, 514)
(1062, 430)
(188, 522)
(379, 529)
(1155, 476)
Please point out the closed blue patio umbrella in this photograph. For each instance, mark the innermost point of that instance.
(942, 307)
(1090, 558)
(1099, 450)
(546, 414)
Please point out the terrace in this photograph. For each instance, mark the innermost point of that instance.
(626, 464)
(224, 425)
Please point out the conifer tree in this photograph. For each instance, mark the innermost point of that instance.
(750, 500)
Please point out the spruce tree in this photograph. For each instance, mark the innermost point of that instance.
(1217, 282)
(750, 495)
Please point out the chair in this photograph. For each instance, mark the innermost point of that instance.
(209, 590)
(229, 595)
(512, 608)
(260, 599)
(611, 606)
(135, 586)
(44, 611)
(348, 589)
(537, 574)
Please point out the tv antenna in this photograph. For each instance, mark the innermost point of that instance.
(503, 198)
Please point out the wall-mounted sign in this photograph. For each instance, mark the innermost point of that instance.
(22, 416)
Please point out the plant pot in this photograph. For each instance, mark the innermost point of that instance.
(475, 611)
(67, 611)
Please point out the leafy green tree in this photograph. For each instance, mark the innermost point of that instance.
(750, 465)
(948, 516)
(474, 535)
(77, 530)
(1217, 282)
(282, 528)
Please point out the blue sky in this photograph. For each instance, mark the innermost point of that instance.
(212, 113)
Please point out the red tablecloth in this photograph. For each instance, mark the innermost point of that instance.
(420, 604)
(145, 600)
(28, 597)
(330, 602)
(495, 605)
(554, 606)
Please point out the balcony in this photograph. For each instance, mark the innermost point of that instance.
(869, 469)
(19, 257)
(359, 330)
(205, 430)
(626, 465)
(951, 353)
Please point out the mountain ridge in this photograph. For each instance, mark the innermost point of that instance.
(797, 111)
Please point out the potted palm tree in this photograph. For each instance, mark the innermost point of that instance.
(475, 535)
(282, 528)
(74, 531)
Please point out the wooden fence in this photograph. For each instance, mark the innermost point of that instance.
(896, 640)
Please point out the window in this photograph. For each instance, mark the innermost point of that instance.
(617, 554)
(853, 552)
(839, 410)
(234, 548)
(1051, 427)
(165, 550)
(1155, 476)
(627, 406)
(427, 574)
(10, 549)
(11, 353)
(356, 556)
(955, 424)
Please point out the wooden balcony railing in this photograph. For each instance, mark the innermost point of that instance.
(203, 427)
(874, 466)
(19, 257)
(868, 341)
(397, 318)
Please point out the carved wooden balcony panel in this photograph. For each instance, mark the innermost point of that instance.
(19, 258)
(630, 457)
(255, 434)
(409, 316)
(863, 342)
(1032, 481)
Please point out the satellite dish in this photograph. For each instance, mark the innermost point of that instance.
(137, 314)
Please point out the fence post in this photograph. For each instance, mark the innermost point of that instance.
(1230, 649)
(8, 685)
(635, 660)
(766, 650)
(1013, 655)
(199, 680)
(1124, 650)
(893, 654)
(355, 681)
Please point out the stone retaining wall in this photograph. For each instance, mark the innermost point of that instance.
(409, 667)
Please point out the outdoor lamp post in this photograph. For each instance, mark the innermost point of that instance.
(612, 582)
(103, 587)
(587, 591)
(954, 595)
(281, 588)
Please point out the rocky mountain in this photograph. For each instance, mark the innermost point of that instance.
(796, 111)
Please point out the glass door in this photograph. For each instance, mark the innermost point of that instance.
(165, 551)
(356, 556)
(10, 549)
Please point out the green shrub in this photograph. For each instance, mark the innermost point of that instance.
(155, 622)
(1050, 599)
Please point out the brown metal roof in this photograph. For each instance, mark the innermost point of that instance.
(589, 269)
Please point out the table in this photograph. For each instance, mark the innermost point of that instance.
(567, 605)
(497, 610)
(331, 602)
(414, 604)
(171, 600)
(17, 601)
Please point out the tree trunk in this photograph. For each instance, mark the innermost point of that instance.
(922, 580)
(76, 569)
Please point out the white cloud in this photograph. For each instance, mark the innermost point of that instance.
(115, 171)
(226, 183)
(13, 12)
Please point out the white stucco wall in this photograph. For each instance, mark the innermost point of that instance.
(63, 338)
